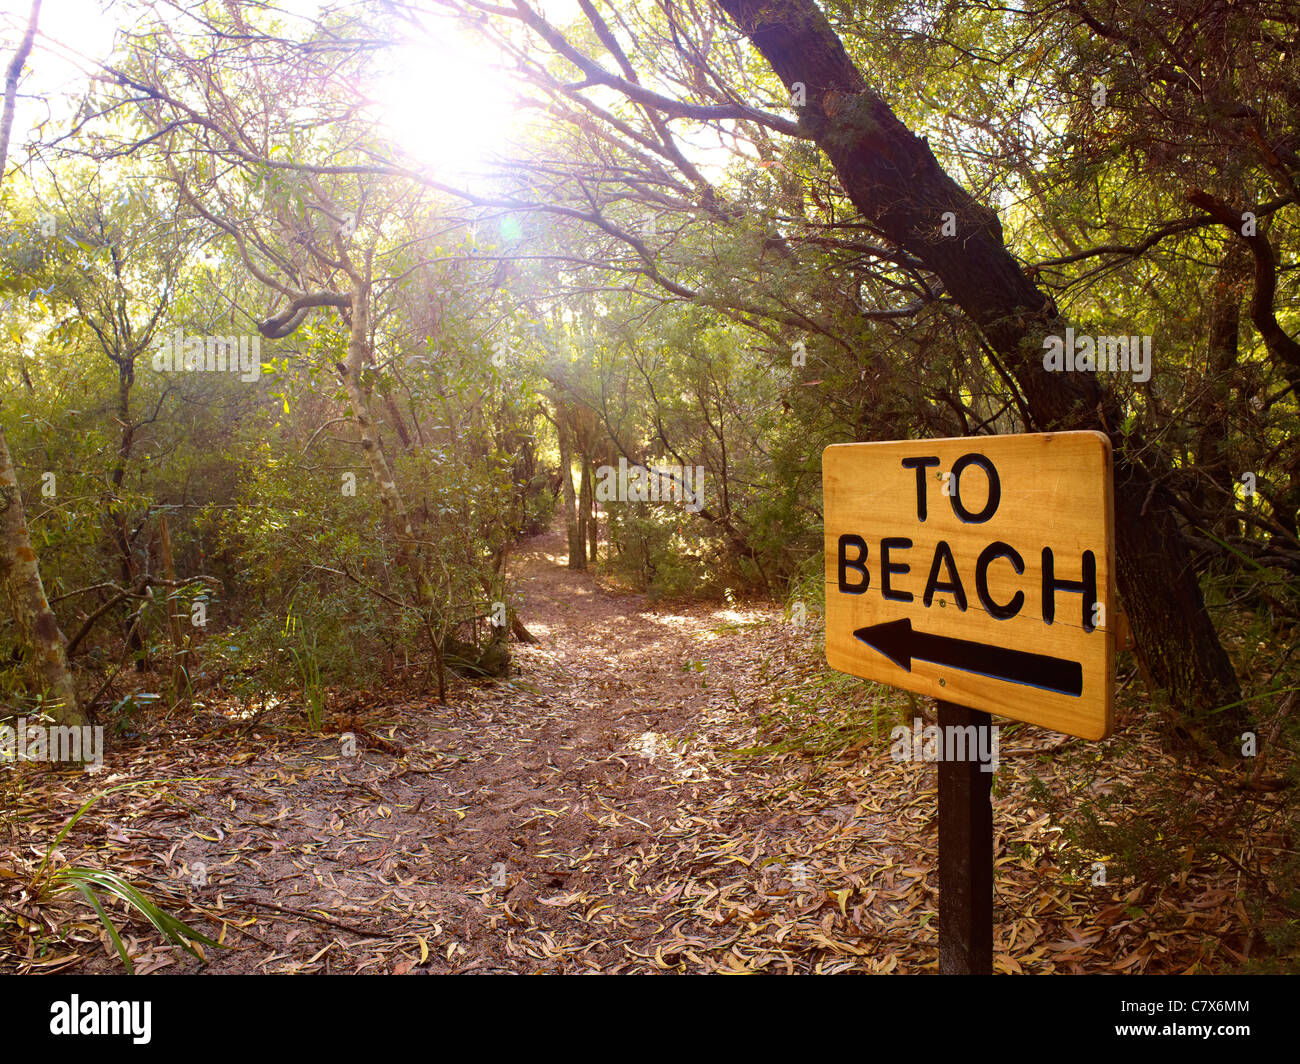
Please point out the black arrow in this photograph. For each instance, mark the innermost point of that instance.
(897, 641)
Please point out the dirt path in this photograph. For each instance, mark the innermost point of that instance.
(602, 811)
(521, 830)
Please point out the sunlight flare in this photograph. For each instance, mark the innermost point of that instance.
(445, 106)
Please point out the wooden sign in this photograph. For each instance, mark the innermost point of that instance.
(978, 571)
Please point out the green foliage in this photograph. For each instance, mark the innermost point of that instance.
(123, 712)
(53, 878)
(657, 551)
(823, 715)
(1139, 844)
(306, 661)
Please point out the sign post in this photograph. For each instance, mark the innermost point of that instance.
(965, 855)
(978, 571)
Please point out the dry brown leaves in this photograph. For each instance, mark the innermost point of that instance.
(660, 790)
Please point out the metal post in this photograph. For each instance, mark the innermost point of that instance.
(965, 853)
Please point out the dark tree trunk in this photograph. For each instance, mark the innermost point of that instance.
(586, 533)
(893, 178)
(1213, 469)
(593, 525)
(115, 511)
(577, 560)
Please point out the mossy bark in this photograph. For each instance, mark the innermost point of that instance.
(20, 571)
(894, 179)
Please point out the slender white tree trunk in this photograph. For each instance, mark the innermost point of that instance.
(18, 565)
(352, 370)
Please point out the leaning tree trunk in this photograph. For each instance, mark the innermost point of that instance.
(893, 178)
(350, 370)
(410, 558)
(18, 569)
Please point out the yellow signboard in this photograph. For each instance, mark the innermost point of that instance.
(977, 570)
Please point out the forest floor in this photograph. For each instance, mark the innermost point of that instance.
(656, 788)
